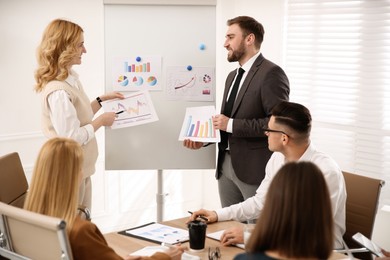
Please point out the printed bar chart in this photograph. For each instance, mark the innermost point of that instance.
(198, 125)
(197, 128)
(145, 67)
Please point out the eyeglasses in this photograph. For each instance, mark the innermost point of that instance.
(267, 131)
(214, 254)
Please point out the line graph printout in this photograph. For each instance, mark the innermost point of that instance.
(198, 125)
(197, 84)
(134, 109)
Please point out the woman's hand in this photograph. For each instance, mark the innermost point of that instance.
(175, 252)
(112, 95)
(105, 119)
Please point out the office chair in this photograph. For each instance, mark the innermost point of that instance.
(14, 186)
(361, 207)
(28, 235)
(13, 182)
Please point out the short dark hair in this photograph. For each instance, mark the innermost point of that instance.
(249, 25)
(293, 115)
(298, 195)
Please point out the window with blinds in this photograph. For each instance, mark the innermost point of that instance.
(337, 58)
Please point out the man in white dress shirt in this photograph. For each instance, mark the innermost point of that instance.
(289, 137)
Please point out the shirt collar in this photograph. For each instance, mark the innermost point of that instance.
(308, 154)
(247, 65)
(72, 78)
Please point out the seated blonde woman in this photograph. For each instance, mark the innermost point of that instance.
(54, 192)
(296, 221)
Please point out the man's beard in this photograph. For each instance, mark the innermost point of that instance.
(237, 54)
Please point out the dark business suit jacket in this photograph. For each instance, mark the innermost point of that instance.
(265, 86)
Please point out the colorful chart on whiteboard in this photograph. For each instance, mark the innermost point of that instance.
(136, 73)
(134, 109)
(190, 83)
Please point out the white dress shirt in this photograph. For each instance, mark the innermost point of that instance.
(246, 67)
(251, 208)
(64, 116)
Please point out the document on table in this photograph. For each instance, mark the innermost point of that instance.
(159, 233)
(217, 236)
(150, 250)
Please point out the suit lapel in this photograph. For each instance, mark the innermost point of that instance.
(245, 84)
(229, 82)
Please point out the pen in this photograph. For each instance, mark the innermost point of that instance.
(200, 216)
(120, 112)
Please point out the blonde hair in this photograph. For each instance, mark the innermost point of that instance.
(54, 188)
(57, 49)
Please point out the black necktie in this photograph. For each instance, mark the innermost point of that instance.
(233, 94)
(229, 107)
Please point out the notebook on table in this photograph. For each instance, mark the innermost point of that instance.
(217, 236)
(158, 233)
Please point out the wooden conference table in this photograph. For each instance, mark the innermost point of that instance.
(124, 245)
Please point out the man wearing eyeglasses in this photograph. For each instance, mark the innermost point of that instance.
(288, 134)
(251, 91)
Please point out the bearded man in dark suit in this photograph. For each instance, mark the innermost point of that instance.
(251, 91)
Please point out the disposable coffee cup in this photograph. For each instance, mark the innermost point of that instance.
(197, 234)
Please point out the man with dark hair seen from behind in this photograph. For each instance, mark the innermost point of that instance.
(251, 91)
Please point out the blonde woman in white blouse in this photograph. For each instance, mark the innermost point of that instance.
(66, 109)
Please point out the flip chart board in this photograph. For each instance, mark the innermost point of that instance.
(182, 35)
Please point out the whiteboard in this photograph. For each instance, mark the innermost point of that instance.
(175, 33)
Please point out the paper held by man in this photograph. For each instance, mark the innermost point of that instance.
(198, 125)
